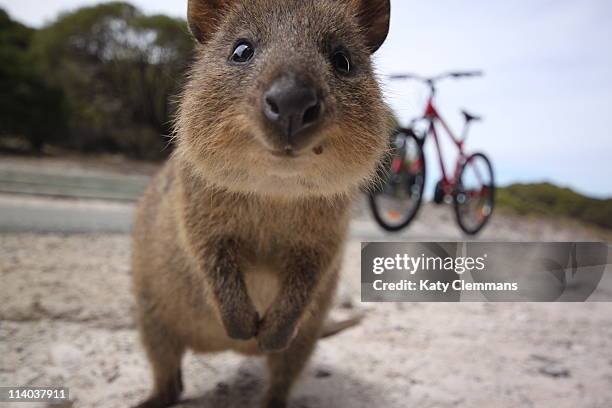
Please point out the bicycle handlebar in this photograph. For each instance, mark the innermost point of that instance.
(466, 74)
(432, 80)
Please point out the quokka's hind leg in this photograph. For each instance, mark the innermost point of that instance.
(165, 353)
(284, 368)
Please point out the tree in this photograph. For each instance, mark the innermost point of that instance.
(29, 107)
(118, 69)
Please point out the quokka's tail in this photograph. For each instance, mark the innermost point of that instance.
(333, 327)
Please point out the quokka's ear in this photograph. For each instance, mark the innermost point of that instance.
(373, 16)
(204, 17)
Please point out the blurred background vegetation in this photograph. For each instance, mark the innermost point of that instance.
(99, 79)
(553, 201)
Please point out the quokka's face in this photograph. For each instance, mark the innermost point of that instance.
(282, 99)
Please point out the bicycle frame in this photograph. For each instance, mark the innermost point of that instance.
(432, 116)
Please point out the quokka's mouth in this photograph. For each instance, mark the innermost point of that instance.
(290, 152)
(285, 153)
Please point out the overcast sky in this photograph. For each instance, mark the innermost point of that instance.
(546, 97)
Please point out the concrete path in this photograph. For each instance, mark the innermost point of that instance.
(24, 213)
(56, 183)
(36, 214)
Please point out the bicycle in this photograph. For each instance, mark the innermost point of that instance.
(471, 186)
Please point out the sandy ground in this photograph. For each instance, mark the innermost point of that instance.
(66, 320)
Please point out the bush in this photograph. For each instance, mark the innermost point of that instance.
(98, 79)
(548, 199)
(29, 106)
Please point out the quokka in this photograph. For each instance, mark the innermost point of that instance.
(238, 240)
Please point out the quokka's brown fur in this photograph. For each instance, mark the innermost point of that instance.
(235, 247)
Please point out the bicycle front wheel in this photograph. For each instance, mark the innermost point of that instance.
(395, 204)
(474, 194)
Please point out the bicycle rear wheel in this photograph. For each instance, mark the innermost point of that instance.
(395, 204)
(474, 194)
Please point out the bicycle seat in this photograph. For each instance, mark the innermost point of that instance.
(470, 117)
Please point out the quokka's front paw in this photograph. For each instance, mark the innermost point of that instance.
(274, 334)
(241, 323)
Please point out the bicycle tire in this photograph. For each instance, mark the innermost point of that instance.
(376, 212)
(462, 224)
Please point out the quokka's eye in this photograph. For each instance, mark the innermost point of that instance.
(341, 62)
(243, 52)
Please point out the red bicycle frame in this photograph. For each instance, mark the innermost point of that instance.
(432, 115)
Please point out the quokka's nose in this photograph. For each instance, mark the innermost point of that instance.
(292, 107)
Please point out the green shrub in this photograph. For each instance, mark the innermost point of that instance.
(97, 79)
(548, 199)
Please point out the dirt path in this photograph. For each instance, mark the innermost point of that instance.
(66, 320)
